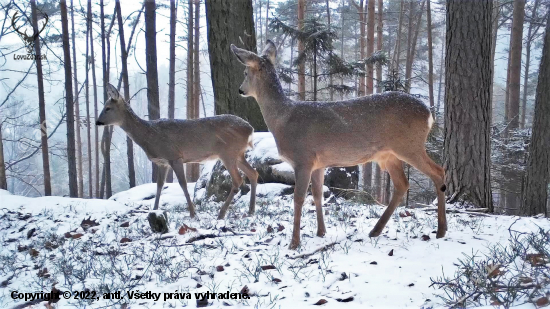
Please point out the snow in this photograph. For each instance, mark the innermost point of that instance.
(241, 244)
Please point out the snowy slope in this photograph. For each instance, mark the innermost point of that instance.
(45, 243)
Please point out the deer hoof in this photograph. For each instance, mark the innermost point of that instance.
(441, 232)
(293, 245)
(321, 232)
(374, 233)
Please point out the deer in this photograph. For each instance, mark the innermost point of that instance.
(173, 142)
(388, 128)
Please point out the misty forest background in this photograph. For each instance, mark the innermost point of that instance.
(481, 77)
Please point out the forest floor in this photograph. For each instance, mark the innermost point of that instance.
(106, 246)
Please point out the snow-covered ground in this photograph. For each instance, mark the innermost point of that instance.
(107, 246)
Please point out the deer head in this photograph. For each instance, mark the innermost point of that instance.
(28, 40)
(114, 110)
(258, 68)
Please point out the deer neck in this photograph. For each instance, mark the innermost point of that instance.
(273, 102)
(134, 126)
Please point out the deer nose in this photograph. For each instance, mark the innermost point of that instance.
(98, 123)
(241, 91)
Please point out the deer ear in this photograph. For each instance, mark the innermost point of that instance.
(246, 57)
(112, 92)
(270, 51)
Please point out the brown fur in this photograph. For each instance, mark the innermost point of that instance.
(173, 142)
(387, 128)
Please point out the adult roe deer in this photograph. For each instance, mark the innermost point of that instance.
(173, 142)
(387, 128)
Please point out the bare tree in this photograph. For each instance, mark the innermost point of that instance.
(430, 54)
(94, 80)
(412, 44)
(3, 180)
(77, 112)
(515, 64)
(124, 56)
(397, 49)
(301, 47)
(88, 123)
(468, 75)
(71, 155)
(193, 169)
(153, 107)
(41, 107)
(532, 30)
(106, 139)
(535, 193)
(172, 72)
(362, 41)
(379, 37)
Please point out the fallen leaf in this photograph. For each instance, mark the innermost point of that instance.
(184, 229)
(245, 290)
(270, 229)
(425, 237)
(345, 300)
(280, 227)
(542, 302)
(125, 240)
(493, 270)
(374, 263)
(391, 253)
(268, 267)
(219, 268)
(77, 236)
(88, 223)
(68, 235)
(277, 280)
(320, 302)
(125, 224)
(33, 252)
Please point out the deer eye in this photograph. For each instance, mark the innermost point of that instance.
(107, 109)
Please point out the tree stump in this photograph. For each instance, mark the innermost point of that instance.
(158, 221)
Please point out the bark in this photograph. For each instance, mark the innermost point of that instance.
(370, 45)
(88, 123)
(362, 45)
(379, 38)
(515, 63)
(153, 107)
(342, 40)
(301, 47)
(430, 55)
(172, 72)
(397, 50)
(330, 81)
(535, 197)
(124, 59)
(41, 112)
(71, 153)
(412, 48)
(441, 73)
(231, 22)
(94, 80)
(468, 75)
(193, 169)
(106, 138)
(3, 180)
(77, 114)
(267, 21)
(528, 43)
(190, 76)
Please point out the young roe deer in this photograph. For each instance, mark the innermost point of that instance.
(173, 142)
(387, 128)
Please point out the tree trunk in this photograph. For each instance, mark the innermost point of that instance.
(397, 50)
(430, 55)
(94, 80)
(190, 75)
(88, 123)
(193, 169)
(301, 47)
(71, 155)
(41, 111)
(468, 75)
(441, 73)
(172, 73)
(124, 58)
(330, 81)
(412, 48)
(3, 179)
(528, 43)
(362, 45)
(106, 139)
(231, 21)
(370, 45)
(377, 172)
(342, 40)
(77, 114)
(267, 21)
(153, 107)
(515, 63)
(537, 177)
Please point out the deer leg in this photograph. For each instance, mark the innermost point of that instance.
(177, 166)
(422, 162)
(302, 176)
(252, 175)
(317, 179)
(237, 181)
(401, 185)
(161, 176)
